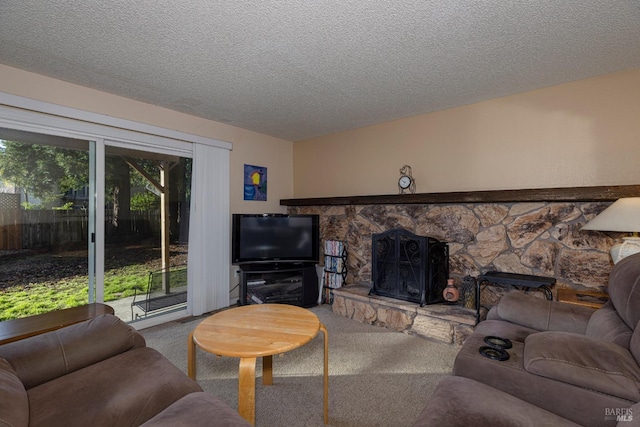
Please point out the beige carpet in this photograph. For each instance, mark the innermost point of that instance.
(377, 377)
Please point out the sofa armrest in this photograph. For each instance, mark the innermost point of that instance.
(14, 403)
(542, 314)
(584, 362)
(197, 409)
(44, 357)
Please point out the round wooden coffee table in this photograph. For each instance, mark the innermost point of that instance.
(253, 331)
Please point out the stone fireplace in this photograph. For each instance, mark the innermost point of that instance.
(533, 232)
(538, 238)
(409, 267)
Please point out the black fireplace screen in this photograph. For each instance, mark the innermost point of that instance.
(409, 267)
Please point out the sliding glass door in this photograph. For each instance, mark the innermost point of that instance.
(46, 253)
(89, 221)
(115, 214)
(146, 230)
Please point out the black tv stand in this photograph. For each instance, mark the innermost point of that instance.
(279, 282)
(273, 266)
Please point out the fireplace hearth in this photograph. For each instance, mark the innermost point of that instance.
(409, 267)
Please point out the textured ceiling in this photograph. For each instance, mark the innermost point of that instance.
(302, 68)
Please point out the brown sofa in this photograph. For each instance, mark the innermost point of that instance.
(574, 363)
(100, 373)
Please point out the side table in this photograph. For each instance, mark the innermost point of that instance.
(252, 331)
(584, 298)
(512, 279)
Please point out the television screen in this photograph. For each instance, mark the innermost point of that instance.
(275, 238)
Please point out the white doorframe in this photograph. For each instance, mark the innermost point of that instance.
(97, 125)
(92, 221)
(41, 117)
(99, 224)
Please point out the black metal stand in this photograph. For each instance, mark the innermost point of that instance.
(512, 279)
(335, 268)
(284, 283)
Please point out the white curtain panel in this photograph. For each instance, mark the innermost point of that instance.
(209, 231)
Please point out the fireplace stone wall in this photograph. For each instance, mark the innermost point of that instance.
(529, 238)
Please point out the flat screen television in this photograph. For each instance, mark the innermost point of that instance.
(261, 238)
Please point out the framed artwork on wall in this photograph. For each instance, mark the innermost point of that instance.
(255, 183)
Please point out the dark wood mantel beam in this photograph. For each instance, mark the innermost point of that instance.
(565, 194)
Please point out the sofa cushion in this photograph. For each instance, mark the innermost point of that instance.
(624, 289)
(541, 314)
(503, 329)
(124, 390)
(42, 358)
(605, 324)
(462, 402)
(634, 345)
(585, 407)
(14, 404)
(195, 410)
(627, 417)
(582, 361)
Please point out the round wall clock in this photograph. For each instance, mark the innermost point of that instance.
(406, 183)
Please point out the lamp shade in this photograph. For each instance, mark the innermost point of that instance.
(623, 216)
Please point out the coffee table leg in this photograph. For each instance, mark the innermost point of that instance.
(191, 357)
(326, 373)
(267, 370)
(247, 389)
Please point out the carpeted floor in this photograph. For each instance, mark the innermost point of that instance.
(377, 377)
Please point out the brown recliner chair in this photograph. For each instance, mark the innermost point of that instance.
(579, 363)
(463, 402)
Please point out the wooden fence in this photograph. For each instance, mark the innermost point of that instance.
(48, 228)
(10, 237)
(33, 229)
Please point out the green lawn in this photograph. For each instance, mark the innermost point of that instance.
(44, 296)
(39, 282)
